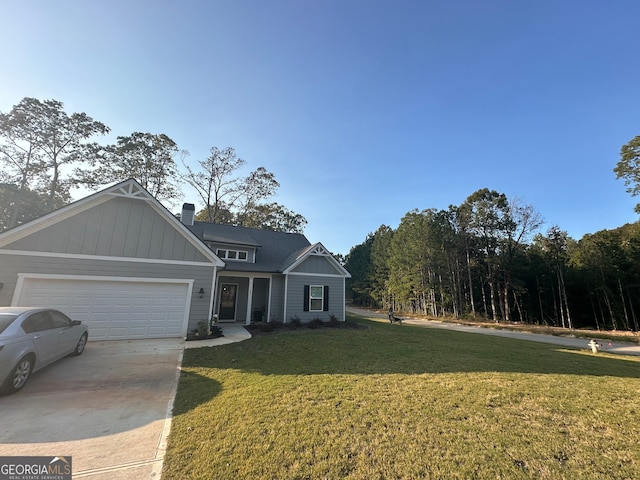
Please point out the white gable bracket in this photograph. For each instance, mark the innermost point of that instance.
(129, 190)
(318, 249)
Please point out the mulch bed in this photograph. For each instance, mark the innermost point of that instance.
(275, 327)
(192, 337)
(216, 333)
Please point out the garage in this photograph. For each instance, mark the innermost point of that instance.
(114, 308)
(117, 260)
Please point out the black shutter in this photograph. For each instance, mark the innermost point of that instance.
(325, 307)
(305, 307)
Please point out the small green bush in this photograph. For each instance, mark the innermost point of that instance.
(315, 323)
(295, 322)
(333, 320)
(203, 328)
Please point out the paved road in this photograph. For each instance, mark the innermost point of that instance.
(607, 346)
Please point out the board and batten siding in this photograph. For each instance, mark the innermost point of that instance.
(119, 227)
(13, 264)
(296, 296)
(316, 264)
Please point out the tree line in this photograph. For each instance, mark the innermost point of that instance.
(487, 259)
(45, 152)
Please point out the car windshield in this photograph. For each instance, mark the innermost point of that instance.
(6, 319)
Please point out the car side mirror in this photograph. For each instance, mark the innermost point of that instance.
(75, 323)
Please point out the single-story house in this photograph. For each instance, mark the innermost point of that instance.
(122, 263)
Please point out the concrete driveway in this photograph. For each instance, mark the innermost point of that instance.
(110, 409)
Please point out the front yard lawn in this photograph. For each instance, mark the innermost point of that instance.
(403, 402)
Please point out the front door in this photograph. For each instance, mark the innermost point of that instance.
(228, 297)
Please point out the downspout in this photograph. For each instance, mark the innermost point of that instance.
(249, 301)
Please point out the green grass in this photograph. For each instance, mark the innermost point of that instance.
(403, 402)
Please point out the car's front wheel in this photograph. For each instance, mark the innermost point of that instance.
(19, 375)
(80, 346)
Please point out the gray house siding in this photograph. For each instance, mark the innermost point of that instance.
(316, 264)
(119, 227)
(296, 297)
(11, 265)
(277, 298)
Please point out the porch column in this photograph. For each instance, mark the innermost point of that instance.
(286, 299)
(249, 301)
(213, 293)
(269, 300)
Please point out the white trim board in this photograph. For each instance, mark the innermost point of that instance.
(79, 256)
(232, 274)
(307, 274)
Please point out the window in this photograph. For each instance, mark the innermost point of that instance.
(59, 320)
(36, 323)
(316, 298)
(6, 319)
(232, 254)
(316, 295)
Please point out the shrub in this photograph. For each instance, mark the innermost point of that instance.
(315, 323)
(333, 320)
(203, 328)
(295, 322)
(216, 331)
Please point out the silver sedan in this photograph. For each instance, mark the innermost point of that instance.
(31, 339)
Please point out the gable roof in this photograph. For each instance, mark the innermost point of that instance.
(316, 249)
(273, 249)
(130, 189)
(276, 252)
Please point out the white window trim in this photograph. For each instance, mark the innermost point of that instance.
(237, 254)
(311, 297)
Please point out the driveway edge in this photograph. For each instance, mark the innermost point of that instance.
(161, 450)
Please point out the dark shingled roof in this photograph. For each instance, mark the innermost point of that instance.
(275, 250)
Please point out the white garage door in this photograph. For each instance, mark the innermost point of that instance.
(114, 309)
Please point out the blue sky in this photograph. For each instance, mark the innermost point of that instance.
(363, 110)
